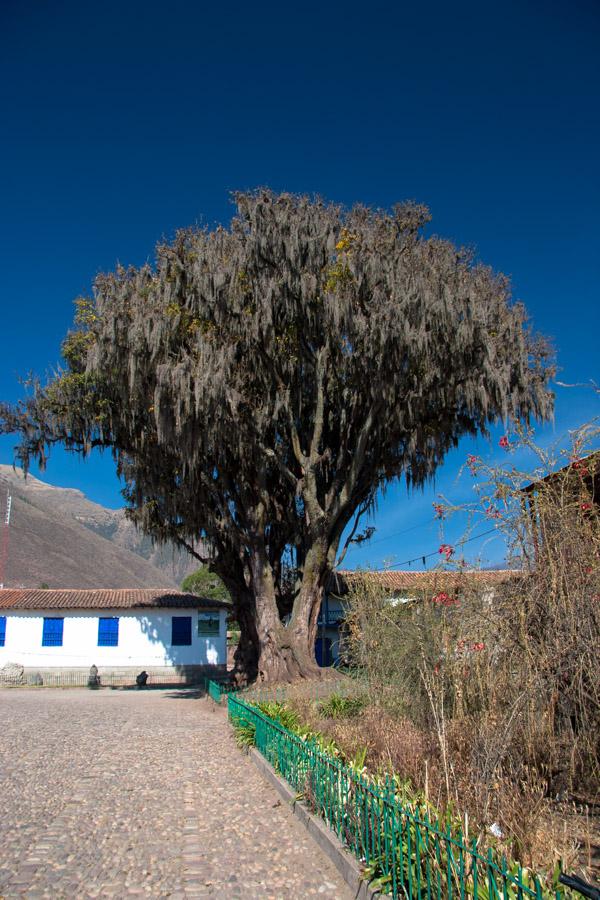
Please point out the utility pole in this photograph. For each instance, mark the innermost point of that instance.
(4, 537)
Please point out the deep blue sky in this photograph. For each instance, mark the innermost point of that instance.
(122, 121)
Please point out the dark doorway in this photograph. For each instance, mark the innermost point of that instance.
(323, 652)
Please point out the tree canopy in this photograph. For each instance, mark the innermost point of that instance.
(260, 384)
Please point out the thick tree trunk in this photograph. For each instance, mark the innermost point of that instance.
(268, 650)
(246, 653)
(286, 656)
(285, 652)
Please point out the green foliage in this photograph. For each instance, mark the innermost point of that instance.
(75, 348)
(339, 707)
(245, 734)
(281, 713)
(205, 583)
(85, 312)
(289, 719)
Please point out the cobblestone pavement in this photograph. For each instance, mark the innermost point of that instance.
(141, 793)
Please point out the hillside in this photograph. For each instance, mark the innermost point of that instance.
(60, 538)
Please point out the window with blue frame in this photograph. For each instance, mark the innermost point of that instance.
(181, 631)
(108, 631)
(2, 630)
(52, 634)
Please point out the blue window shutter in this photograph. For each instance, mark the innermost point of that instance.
(108, 631)
(181, 631)
(2, 630)
(52, 634)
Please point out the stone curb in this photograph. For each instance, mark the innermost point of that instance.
(320, 833)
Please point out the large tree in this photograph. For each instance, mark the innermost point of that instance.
(260, 384)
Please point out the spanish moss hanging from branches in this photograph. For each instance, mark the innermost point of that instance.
(260, 384)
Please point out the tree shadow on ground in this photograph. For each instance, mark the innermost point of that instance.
(189, 693)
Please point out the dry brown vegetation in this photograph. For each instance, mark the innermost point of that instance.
(490, 702)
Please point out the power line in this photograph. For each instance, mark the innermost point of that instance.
(425, 556)
(398, 533)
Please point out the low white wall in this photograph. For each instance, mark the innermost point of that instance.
(144, 640)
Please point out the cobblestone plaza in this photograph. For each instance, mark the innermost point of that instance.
(118, 793)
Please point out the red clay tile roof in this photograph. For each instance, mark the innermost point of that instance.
(411, 579)
(126, 598)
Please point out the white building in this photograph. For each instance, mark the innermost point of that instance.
(54, 634)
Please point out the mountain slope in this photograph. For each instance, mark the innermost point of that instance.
(60, 538)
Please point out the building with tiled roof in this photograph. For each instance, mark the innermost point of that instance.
(402, 580)
(125, 598)
(400, 586)
(56, 636)
(547, 499)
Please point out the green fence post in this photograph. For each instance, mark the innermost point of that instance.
(448, 840)
(461, 865)
(394, 837)
(474, 856)
(427, 851)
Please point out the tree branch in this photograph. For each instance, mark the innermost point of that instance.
(340, 499)
(181, 542)
(320, 371)
(360, 513)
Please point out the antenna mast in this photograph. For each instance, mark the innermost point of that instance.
(4, 536)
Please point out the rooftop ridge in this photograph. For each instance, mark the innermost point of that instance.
(103, 598)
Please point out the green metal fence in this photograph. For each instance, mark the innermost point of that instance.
(403, 852)
(216, 690)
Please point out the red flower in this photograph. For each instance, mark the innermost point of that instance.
(472, 463)
(478, 646)
(586, 506)
(446, 550)
(504, 442)
(444, 599)
(588, 570)
(492, 513)
(439, 510)
(581, 468)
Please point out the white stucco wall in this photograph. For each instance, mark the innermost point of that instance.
(144, 640)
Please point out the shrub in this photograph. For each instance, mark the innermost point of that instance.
(245, 734)
(505, 683)
(339, 707)
(280, 712)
